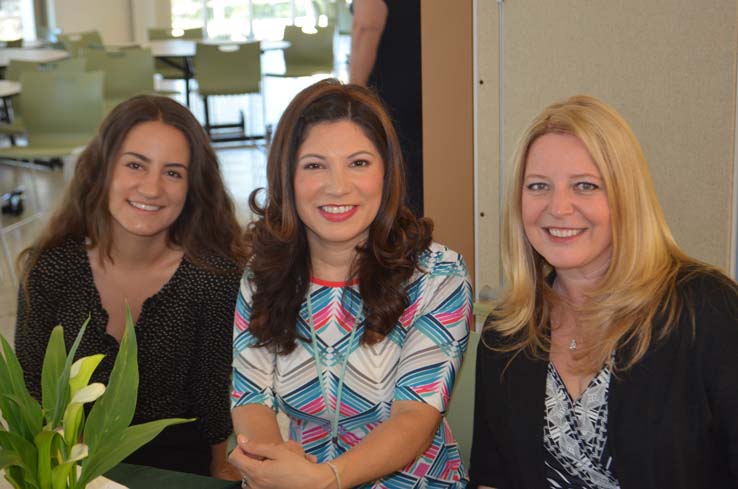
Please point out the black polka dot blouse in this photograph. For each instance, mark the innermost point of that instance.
(184, 346)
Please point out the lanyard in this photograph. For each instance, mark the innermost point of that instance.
(320, 367)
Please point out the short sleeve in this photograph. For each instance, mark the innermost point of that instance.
(253, 368)
(437, 329)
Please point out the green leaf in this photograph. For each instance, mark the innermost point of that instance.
(26, 452)
(111, 452)
(72, 422)
(27, 416)
(13, 384)
(8, 458)
(60, 474)
(82, 371)
(113, 412)
(62, 388)
(14, 475)
(51, 372)
(43, 445)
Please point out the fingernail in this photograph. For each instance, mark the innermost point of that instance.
(241, 439)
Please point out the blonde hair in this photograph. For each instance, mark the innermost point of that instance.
(641, 281)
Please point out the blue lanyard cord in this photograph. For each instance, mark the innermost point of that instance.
(319, 365)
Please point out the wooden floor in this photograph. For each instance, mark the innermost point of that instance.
(243, 167)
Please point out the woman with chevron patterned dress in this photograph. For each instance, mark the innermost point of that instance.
(610, 362)
(350, 320)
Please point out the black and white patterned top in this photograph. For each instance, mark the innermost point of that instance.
(575, 434)
(184, 346)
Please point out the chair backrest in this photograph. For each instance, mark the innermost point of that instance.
(128, 72)
(76, 43)
(160, 34)
(17, 67)
(309, 53)
(61, 109)
(460, 412)
(228, 69)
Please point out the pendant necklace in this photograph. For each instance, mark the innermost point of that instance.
(573, 344)
(319, 366)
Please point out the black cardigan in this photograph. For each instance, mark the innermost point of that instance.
(673, 417)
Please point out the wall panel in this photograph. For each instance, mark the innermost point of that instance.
(667, 65)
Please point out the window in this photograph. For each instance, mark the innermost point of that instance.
(16, 20)
(248, 19)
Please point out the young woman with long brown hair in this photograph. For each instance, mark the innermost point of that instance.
(350, 319)
(146, 222)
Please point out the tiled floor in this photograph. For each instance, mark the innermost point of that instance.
(243, 167)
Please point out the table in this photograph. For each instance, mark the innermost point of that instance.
(35, 55)
(141, 477)
(179, 53)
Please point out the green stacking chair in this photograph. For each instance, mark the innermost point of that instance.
(308, 54)
(460, 412)
(15, 69)
(77, 43)
(228, 69)
(128, 72)
(61, 112)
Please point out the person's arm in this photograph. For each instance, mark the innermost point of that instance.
(717, 321)
(484, 453)
(211, 369)
(219, 466)
(391, 446)
(35, 319)
(257, 422)
(370, 17)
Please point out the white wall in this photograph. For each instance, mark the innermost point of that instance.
(150, 13)
(111, 17)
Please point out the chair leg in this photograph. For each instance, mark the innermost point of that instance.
(207, 115)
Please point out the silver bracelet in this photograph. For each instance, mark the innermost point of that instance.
(335, 473)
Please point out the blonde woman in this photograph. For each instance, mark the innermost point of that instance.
(611, 359)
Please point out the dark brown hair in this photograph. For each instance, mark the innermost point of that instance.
(279, 258)
(207, 223)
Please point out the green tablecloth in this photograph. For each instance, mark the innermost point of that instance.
(140, 477)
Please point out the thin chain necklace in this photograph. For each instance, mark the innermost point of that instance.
(319, 366)
(555, 323)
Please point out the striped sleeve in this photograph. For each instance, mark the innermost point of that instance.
(253, 368)
(437, 332)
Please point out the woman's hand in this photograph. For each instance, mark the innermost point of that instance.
(279, 466)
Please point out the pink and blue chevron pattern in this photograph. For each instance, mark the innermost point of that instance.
(417, 361)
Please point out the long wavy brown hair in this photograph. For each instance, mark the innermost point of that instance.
(207, 223)
(279, 256)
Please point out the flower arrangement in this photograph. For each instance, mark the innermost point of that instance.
(42, 446)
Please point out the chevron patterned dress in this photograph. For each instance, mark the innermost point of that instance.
(417, 361)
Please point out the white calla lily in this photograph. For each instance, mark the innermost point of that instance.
(78, 452)
(76, 367)
(89, 393)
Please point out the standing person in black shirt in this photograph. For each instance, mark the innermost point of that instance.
(146, 222)
(385, 55)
